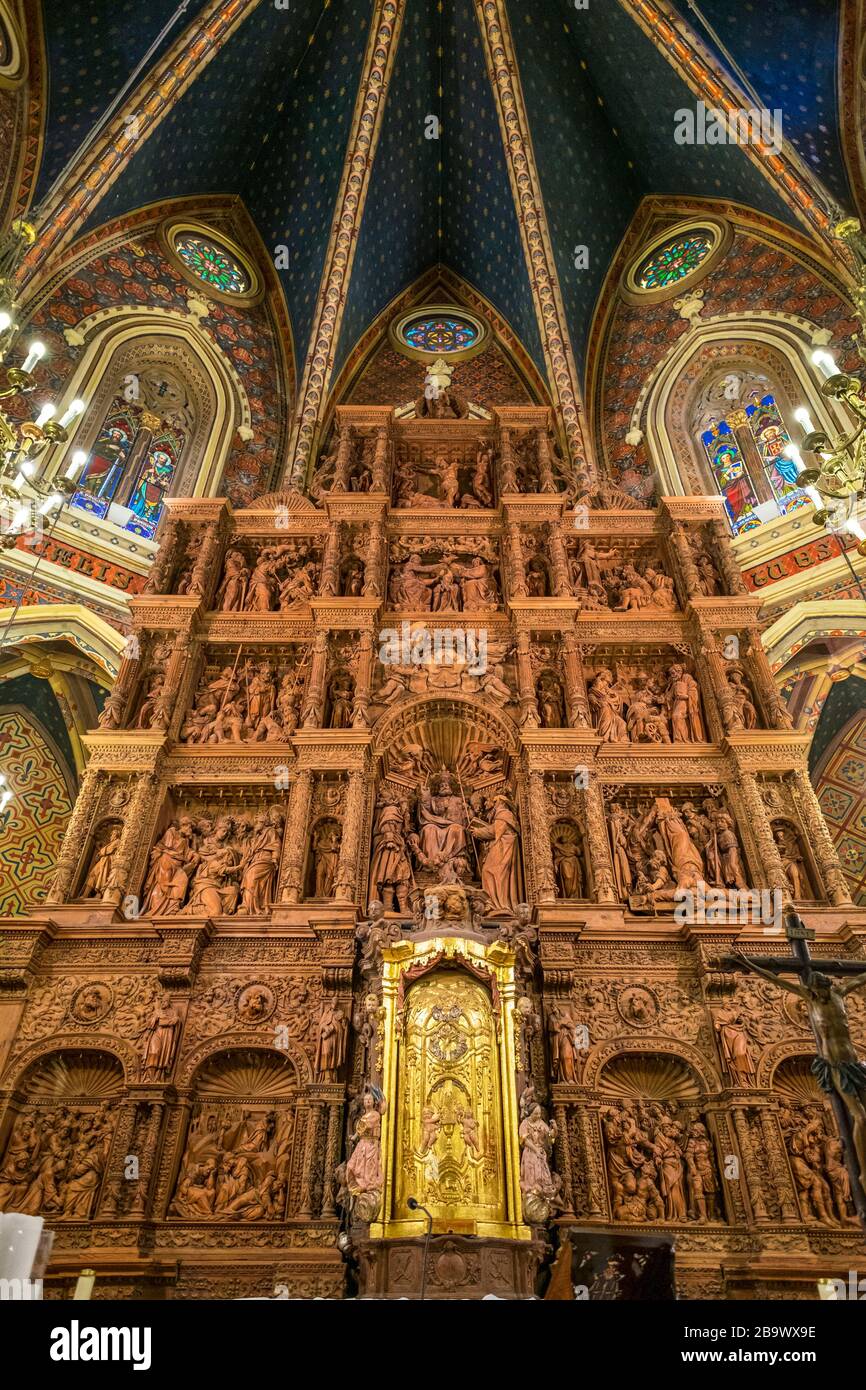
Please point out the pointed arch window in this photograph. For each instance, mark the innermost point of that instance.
(137, 453)
(745, 452)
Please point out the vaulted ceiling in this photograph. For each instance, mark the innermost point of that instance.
(267, 118)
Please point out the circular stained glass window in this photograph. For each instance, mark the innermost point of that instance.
(440, 333)
(674, 260)
(212, 264)
(440, 330)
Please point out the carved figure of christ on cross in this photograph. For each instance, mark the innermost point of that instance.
(840, 1073)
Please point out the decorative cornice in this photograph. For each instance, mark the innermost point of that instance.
(529, 205)
(148, 104)
(337, 271)
(674, 37)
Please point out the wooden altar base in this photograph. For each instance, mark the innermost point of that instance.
(457, 1267)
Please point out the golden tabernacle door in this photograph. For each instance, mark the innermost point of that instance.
(450, 1134)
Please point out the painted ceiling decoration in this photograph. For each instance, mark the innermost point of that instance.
(247, 100)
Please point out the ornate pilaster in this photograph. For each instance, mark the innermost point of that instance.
(336, 273)
(563, 1159)
(539, 839)
(507, 469)
(314, 702)
(777, 1163)
(529, 205)
(156, 1109)
(205, 574)
(753, 1182)
(346, 885)
(160, 571)
(558, 560)
(363, 677)
(115, 1176)
(724, 552)
(529, 718)
(766, 688)
(598, 844)
(329, 582)
(138, 819)
(516, 565)
(313, 1117)
(759, 823)
(374, 560)
(75, 839)
(835, 882)
(294, 841)
(380, 470)
(576, 702)
(332, 1154)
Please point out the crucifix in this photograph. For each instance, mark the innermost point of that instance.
(839, 1072)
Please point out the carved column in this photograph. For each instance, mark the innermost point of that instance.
(685, 569)
(175, 670)
(116, 707)
(380, 480)
(558, 561)
(330, 580)
(728, 567)
(343, 462)
(205, 574)
(314, 1112)
(539, 839)
(765, 687)
(835, 882)
(529, 717)
(159, 578)
(363, 676)
(716, 668)
(373, 87)
(75, 839)
(374, 567)
(575, 685)
(314, 701)
(778, 1165)
(753, 1182)
(332, 1153)
(146, 1158)
(507, 468)
(346, 883)
(526, 190)
(115, 1178)
(295, 841)
(563, 1159)
(596, 1196)
(516, 567)
(597, 841)
(759, 823)
(137, 821)
(546, 480)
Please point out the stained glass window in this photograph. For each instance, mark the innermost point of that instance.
(99, 481)
(153, 482)
(440, 333)
(674, 260)
(212, 264)
(130, 469)
(746, 455)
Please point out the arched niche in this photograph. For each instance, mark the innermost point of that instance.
(59, 1134)
(813, 1148)
(125, 351)
(239, 1146)
(773, 347)
(664, 1159)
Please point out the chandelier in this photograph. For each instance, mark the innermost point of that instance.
(835, 474)
(26, 497)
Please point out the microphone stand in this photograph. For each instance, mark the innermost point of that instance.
(414, 1205)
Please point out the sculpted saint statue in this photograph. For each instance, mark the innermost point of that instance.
(500, 871)
(161, 1041)
(442, 839)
